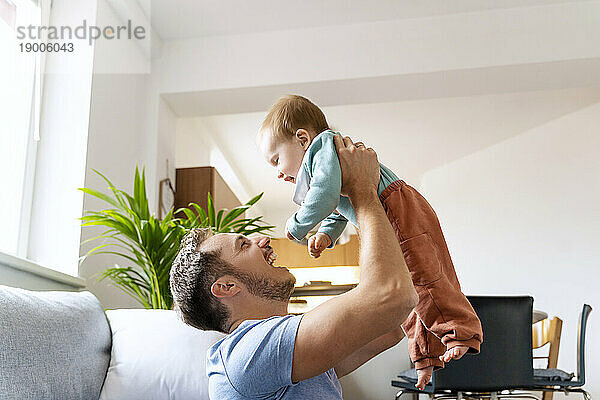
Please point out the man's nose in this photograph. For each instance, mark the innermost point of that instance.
(280, 175)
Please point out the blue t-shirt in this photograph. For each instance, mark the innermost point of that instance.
(255, 362)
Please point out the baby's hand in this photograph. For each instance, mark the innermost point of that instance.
(317, 243)
(289, 235)
(423, 377)
(454, 353)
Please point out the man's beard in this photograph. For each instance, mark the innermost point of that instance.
(266, 287)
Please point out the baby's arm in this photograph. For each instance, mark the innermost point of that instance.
(330, 230)
(324, 194)
(333, 226)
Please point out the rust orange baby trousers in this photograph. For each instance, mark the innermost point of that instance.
(443, 318)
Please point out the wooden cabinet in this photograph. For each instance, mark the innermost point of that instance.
(192, 185)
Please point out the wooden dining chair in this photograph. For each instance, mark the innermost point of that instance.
(547, 332)
(555, 380)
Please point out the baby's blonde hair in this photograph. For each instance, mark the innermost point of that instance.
(290, 113)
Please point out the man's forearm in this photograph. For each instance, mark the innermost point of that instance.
(368, 351)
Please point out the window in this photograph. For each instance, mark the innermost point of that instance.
(20, 94)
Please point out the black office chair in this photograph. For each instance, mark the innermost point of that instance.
(553, 380)
(505, 360)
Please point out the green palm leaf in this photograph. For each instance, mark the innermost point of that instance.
(210, 211)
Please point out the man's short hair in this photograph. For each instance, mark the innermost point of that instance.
(290, 113)
(192, 274)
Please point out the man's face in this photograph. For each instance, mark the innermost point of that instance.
(252, 259)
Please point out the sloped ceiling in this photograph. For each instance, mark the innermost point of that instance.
(411, 137)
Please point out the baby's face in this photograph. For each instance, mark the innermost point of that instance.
(284, 154)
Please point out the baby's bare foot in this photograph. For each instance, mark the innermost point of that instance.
(423, 377)
(454, 353)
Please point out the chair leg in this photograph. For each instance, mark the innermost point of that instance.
(512, 395)
(586, 395)
(519, 396)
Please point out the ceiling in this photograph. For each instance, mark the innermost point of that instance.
(394, 88)
(415, 122)
(411, 137)
(181, 19)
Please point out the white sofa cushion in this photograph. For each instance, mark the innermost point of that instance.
(156, 356)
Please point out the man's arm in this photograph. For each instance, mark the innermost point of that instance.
(385, 295)
(368, 351)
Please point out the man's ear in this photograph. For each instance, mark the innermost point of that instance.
(303, 137)
(225, 287)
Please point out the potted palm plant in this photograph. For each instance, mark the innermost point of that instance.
(148, 245)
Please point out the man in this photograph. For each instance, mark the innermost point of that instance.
(227, 282)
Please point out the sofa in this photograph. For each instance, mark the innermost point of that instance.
(64, 345)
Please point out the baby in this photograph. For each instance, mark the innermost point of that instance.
(295, 138)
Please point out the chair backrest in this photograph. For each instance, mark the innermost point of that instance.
(548, 331)
(505, 360)
(583, 317)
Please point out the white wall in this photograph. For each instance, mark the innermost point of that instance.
(523, 217)
(123, 134)
(166, 122)
(196, 147)
(115, 148)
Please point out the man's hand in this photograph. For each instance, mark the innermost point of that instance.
(317, 243)
(454, 353)
(423, 377)
(360, 169)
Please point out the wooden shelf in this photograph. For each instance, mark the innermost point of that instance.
(321, 290)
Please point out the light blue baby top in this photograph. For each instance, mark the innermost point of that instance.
(255, 362)
(318, 187)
